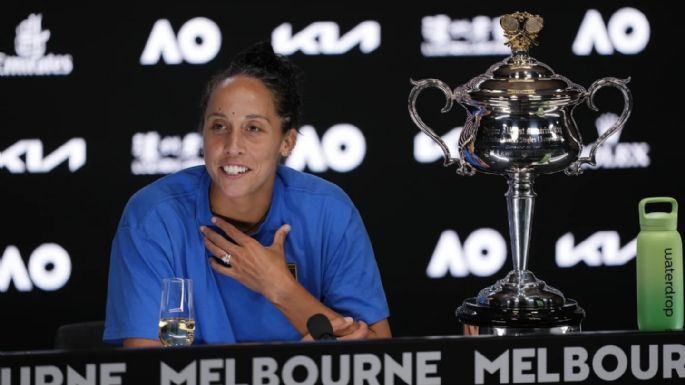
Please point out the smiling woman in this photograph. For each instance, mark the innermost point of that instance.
(243, 143)
(266, 246)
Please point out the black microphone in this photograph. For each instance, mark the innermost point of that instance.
(320, 328)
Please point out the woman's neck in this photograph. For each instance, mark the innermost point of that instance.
(247, 210)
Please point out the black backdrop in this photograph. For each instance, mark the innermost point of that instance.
(59, 214)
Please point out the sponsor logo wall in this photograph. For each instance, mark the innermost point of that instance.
(81, 134)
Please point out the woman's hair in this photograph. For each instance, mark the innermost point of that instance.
(278, 74)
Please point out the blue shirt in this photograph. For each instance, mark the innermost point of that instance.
(159, 237)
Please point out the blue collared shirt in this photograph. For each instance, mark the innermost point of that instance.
(158, 237)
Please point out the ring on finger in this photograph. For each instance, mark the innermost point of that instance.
(226, 258)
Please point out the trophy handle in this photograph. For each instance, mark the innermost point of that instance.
(575, 167)
(413, 95)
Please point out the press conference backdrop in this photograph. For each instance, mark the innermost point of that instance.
(98, 101)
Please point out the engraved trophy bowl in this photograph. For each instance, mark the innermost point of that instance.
(520, 124)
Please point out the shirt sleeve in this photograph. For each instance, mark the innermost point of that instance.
(140, 259)
(352, 282)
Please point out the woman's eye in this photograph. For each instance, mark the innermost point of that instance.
(254, 129)
(216, 126)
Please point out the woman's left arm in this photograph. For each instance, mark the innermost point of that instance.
(380, 329)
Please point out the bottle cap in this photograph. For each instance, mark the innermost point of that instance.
(658, 220)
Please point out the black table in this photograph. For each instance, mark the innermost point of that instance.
(621, 357)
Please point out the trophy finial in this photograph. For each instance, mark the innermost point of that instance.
(521, 30)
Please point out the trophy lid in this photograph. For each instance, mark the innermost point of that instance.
(520, 75)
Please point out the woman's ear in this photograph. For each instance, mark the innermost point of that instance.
(288, 143)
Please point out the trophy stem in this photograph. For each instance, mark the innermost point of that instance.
(520, 202)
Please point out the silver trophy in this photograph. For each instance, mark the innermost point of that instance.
(520, 124)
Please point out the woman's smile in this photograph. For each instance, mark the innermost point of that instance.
(235, 170)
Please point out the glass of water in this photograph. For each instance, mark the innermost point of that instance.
(176, 314)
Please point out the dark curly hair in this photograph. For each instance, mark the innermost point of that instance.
(278, 74)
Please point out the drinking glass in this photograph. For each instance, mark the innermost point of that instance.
(176, 314)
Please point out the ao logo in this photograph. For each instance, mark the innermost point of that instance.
(198, 42)
(627, 32)
(323, 38)
(341, 148)
(483, 253)
(49, 268)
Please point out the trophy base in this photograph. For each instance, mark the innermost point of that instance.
(487, 320)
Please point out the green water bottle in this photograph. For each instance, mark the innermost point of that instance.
(659, 268)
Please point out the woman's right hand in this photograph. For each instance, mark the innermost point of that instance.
(346, 328)
(260, 268)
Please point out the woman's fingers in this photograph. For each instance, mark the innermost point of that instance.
(219, 268)
(216, 250)
(346, 328)
(217, 239)
(220, 247)
(341, 325)
(279, 237)
(359, 331)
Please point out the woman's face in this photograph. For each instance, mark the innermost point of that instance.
(243, 139)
